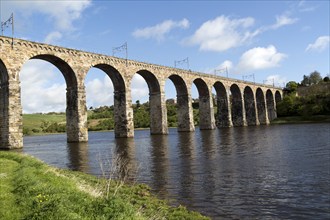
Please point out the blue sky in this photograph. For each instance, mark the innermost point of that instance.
(276, 41)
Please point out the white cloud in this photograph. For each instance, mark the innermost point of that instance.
(283, 20)
(43, 88)
(159, 31)
(223, 33)
(53, 37)
(99, 92)
(260, 58)
(303, 6)
(320, 44)
(140, 90)
(276, 80)
(222, 69)
(61, 13)
(227, 64)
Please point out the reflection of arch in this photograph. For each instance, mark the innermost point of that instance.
(270, 105)
(78, 156)
(223, 113)
(158, 121)
(123, 126)
(160, 164)
(261, 106)
(123, 160)
(249, 105)
(4, 93)
(236, 106)
(206, 116)
(185, 120)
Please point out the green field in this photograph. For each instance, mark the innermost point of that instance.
(302, 119)
(30, 189)
(35, 120)
(43, 123)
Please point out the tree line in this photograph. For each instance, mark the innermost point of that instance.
(309, 97)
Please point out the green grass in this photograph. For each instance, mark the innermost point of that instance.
(302, 119)
(34, 121)
(30, 189)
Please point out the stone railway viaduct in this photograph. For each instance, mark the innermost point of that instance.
(239, 103)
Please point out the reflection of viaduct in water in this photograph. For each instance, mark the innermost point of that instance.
(239, 103)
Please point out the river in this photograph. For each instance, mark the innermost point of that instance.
(258, 172)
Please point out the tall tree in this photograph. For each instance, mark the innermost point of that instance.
(305, 81)
(291, 86)
(315, 77)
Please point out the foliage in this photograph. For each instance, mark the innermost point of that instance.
(29, 189)
(313, 78)
(100, 119)
(313, 100)
(291, 86)
(141, 115)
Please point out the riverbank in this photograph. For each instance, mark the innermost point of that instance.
(302, 119)
(30, 189)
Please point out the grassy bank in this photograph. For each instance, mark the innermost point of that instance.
(30, 189)
(302, 119)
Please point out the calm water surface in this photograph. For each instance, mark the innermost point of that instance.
(263, 172)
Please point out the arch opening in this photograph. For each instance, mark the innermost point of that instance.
(270, 105)
(236, 106)
(261, 106)
(153, 112)
(183, 104)
(120, 114)
(205, 105)
(99, 100)
(54, 83)
(4, 129)
(62, 66)
(249, 105)
(278, 97)
(223, 118)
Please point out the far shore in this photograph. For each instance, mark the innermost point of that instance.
(302, 119)
(277, 121)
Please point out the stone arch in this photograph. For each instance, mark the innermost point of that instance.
(236, 106)
(223, 118)
(4, 93)
(185, 117)
(115, 76)
(123, 114)
(63, 66)
(206, 115)
(76, 127)
(270, 105)
(158, 119)
(261, 107)
(250, 107)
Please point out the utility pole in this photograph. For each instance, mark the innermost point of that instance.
(119, 49)
(221, 71)
(180, 62)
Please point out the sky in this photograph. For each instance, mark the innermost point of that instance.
(266, 41)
